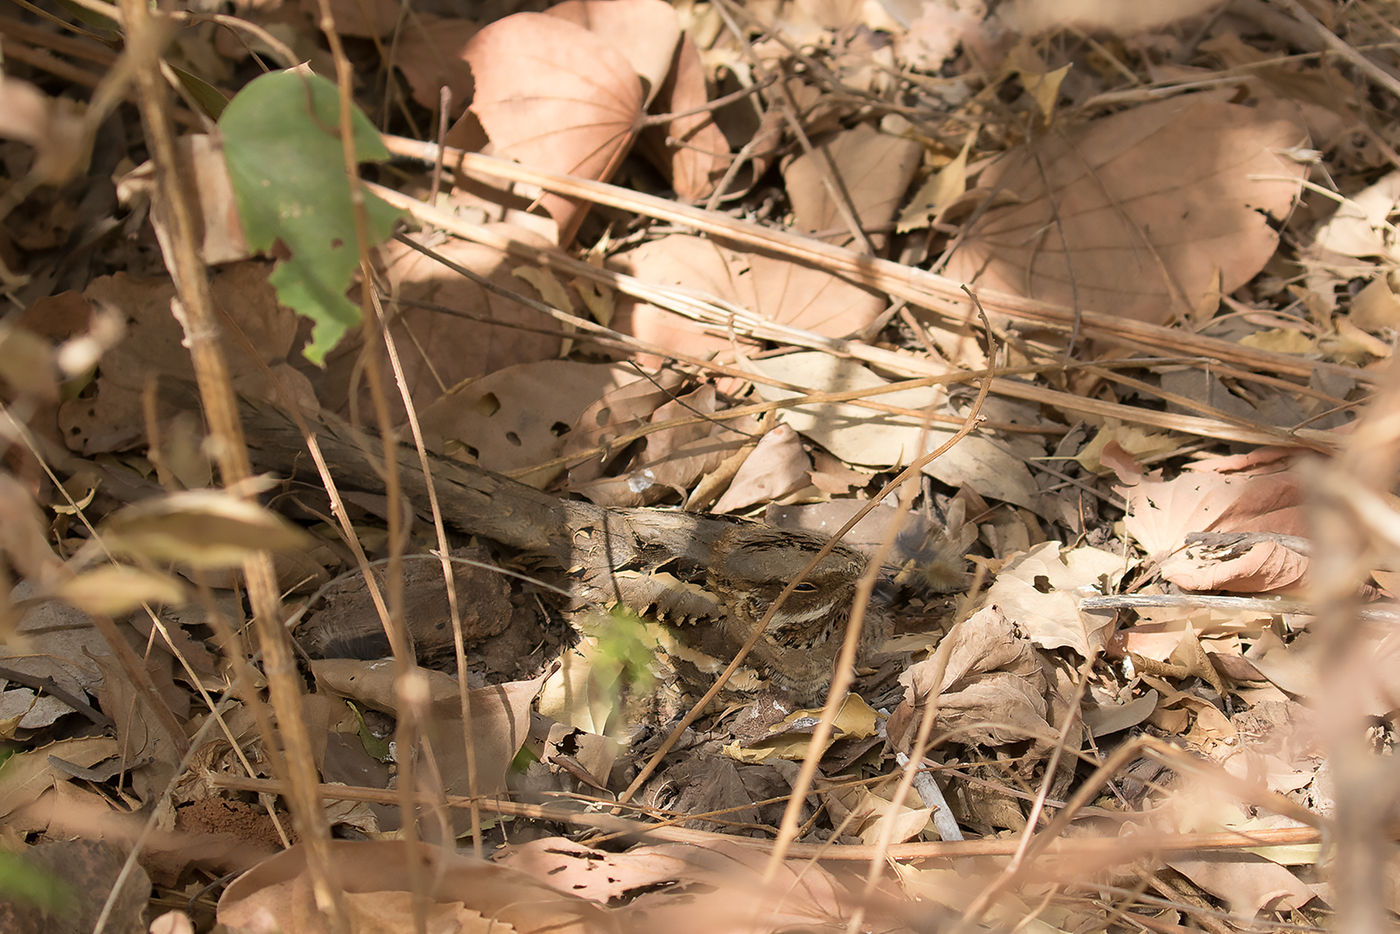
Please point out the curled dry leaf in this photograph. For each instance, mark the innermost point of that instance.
(775, 467)
(555, 96)
(1146, 213)
(987, 681)
(691, 149)
(674, 458)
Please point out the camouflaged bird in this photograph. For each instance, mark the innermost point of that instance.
(709, 579)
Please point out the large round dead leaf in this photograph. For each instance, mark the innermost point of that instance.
(776, 289)
(555, 96)
(111, 418)
(1138, 213)
(646, 32)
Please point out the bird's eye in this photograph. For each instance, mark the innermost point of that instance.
(805, 587)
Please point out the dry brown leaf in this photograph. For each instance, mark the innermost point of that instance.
(112, 418)
(84, 874)
(429, 53)
(24, 535)
(778, 290)
(555, 96)
(521, 416)
(30, 773)
(500, 716)
(987, 681)
(1137, 214)
(471, 331)
(872, 169)
(674, 458)
(691, 149)
(774, 468)
(358, 17)
(595, 442)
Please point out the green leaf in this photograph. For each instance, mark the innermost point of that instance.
(285, 161)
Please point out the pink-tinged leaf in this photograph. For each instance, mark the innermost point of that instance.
(554, 96)
(778, 290)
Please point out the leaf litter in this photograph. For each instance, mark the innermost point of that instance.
(1179, 224)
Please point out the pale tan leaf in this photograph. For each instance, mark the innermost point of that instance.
(116, 589)
(200, 528)
(774, 468)
(53, 126)
(1034, 17)
(1041, 590)
(1246, 881)
(856, 435)
(1361, 226)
